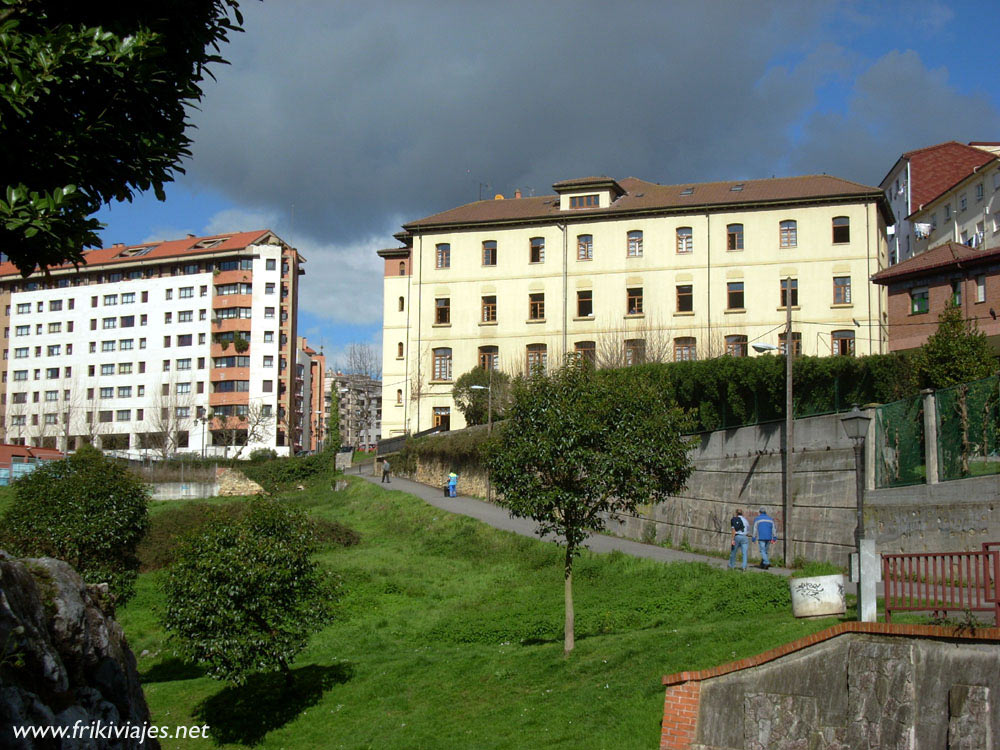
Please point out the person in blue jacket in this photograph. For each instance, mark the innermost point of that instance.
(452, 484)
(765, 533)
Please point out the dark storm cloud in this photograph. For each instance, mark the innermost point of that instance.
(345, 119)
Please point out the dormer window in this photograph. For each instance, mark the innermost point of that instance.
(736, 188)
(585, 201)
(208, 244)
(687, 191)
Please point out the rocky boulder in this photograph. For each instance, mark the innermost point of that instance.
(64, 660)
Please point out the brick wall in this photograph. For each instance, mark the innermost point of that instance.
(680, 716)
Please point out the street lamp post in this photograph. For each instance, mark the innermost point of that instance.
(489, 424)
(856, 427)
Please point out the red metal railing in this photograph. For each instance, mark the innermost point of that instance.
(943, 581)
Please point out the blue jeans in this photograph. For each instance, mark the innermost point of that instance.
(743, 545)
(451, 490)
(764, 544)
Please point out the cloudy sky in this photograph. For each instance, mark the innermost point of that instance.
(338, 121)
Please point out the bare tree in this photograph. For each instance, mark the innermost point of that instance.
(645, 340)
(364, 359)
(240, 430)
(169, 417)
(17, 416)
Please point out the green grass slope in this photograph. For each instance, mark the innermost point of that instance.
(448, 634)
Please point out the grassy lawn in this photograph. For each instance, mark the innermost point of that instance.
(448, 634)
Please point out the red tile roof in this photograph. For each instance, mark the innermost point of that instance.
(641, 197)
(935, 169)
(161, 250)
(942, 256)
(9, 451)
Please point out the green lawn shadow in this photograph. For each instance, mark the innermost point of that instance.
(171, 669)
(245, 714)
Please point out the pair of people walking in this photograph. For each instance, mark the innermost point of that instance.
(765, 533)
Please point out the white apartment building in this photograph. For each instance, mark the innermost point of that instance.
(623, 272)
(180, 346)
(919, 178)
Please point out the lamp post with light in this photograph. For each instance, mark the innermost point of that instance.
(489, 423)
(855, 425)
(786, 495)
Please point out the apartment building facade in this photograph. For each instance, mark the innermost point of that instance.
(180, 346)
(918, 179)
(625, 272)
(358, 400)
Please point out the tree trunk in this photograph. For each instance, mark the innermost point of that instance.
(569, 639)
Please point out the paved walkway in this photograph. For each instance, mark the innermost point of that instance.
(499, 518)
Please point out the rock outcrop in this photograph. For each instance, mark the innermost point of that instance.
(232, 483)
(64, 660)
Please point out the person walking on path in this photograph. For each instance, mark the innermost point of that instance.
(765, 533)
(385, 471)
(740, 541)
(452, 484)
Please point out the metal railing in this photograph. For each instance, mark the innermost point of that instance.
(943, 581)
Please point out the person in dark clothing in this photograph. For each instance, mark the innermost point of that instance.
(385, 471)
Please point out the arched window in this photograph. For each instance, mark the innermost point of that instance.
(635, 244)
(538, 358)
(401, 304)
(841, 229)
(402, 268)
(736, 346)
(843, 343)
(788, 233)
(399, 395)
(442, 364)
(685, 349)
(489, 357)
(685, 240)
(635, 351)
(399, 350)
(585, 247)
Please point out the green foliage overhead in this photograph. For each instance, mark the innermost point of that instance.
(957, 352)
(93, 108)
(474, 403)
(244, 596)
(86, 510)
(576, 449)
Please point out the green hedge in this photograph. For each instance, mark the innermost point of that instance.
(734, 391)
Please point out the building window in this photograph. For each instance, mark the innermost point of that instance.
(635, 352)
(399, 351)
(963, 202)
(442, 311)
(796, 344)
(841, 290)
(536, 253)
(685, 240)
(489, 308)
(442, 364)
(843, 343)
(788, 233)
(399, 395)
(536, 306)
(685, 298)
(734, 237)
(489, 357)
(633, 301)
(794, 293)
(635, 244)
(947, 211)
(956, 293)
(584, 201)
(537, 357)
(685, 349)
(919, 302)
(585, 247)
(734, 295)
(736, 345)
(585, 303)
(402, 304)
(841, 230)
(489, 253)
(980, 289)
(979, 192)
(587, 350)
(443, 255)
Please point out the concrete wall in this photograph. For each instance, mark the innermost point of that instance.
(743, 468)
(183, 490)
(855, 685)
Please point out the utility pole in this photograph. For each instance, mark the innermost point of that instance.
(789, 424)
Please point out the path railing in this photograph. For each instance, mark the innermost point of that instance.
(943, 581)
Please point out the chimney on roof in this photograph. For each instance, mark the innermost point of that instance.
(517, 193)
(118, 244)
(192, 236)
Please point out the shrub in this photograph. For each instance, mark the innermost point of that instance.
(243, 596)
(263, 454)
(86, 510)
(278, 474)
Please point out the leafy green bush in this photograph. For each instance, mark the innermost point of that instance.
(244, 596)
(263, 454)
(86, 510)
(279, 473)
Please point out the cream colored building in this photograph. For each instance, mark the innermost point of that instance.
(627, 271)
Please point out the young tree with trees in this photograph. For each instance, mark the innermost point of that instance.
(957, 352)
(576, 451)
(476, 403)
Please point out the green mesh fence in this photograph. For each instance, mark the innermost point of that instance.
(968, 416)
(899, 443)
